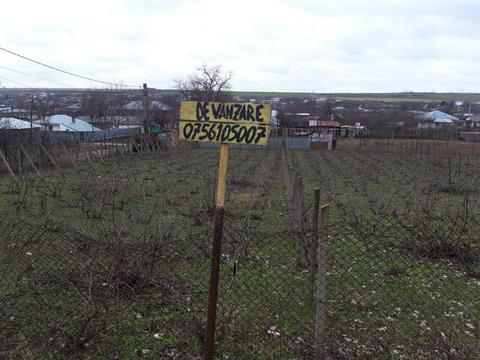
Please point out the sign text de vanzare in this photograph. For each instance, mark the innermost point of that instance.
(234, 123)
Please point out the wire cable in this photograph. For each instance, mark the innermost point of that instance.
(13, 81)
(67, 72)
(35, 76)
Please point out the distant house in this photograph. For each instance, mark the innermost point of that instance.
(436, 118)
(75, 106)
(274, 122)
(439, 116)
(358, 129)
(137, 105)
(472, 120)
(65, 123)
(8, 123)
(297, 119)
(324, 125)
(18, 113)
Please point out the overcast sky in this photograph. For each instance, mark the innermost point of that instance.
(282, 45)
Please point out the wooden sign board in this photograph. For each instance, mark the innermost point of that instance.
(226, 123)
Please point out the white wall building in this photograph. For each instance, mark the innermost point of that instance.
(9, 123)
(65, 123)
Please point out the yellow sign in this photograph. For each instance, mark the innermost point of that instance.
(227, 123)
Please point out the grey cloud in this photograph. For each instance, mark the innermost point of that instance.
(298, 45)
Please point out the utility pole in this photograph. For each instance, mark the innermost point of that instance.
(146, 115)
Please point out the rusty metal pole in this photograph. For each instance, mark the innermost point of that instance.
(214, 279)
(216, 249)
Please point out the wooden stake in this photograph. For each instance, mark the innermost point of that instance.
(7, 165)
(299, 204)
(465, 206)
(321, 284)
(72, 161)
(86, 154)
(20, 160)
(30, 159)
(48, 156)
(222, 175)
(139, 151)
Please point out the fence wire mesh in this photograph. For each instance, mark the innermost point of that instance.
(123, 284)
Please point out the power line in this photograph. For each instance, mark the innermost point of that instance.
(65, 71)
(13, 81)
(34, 76)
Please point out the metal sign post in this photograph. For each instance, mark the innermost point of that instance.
(216, 252)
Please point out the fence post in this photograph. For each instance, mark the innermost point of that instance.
(289, 187)
(465, 206)
(298, 219)
(321, 283)
(313, 249)
(293, 194)
(20, 160)
(218, 216)
(299, 205)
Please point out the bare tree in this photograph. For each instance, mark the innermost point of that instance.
(115, 98)
(41, 109)
(94, 105)
(172, 100)
(208, 83)
(104, 106)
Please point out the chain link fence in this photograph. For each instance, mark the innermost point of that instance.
(290, 288)
(390, 286)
